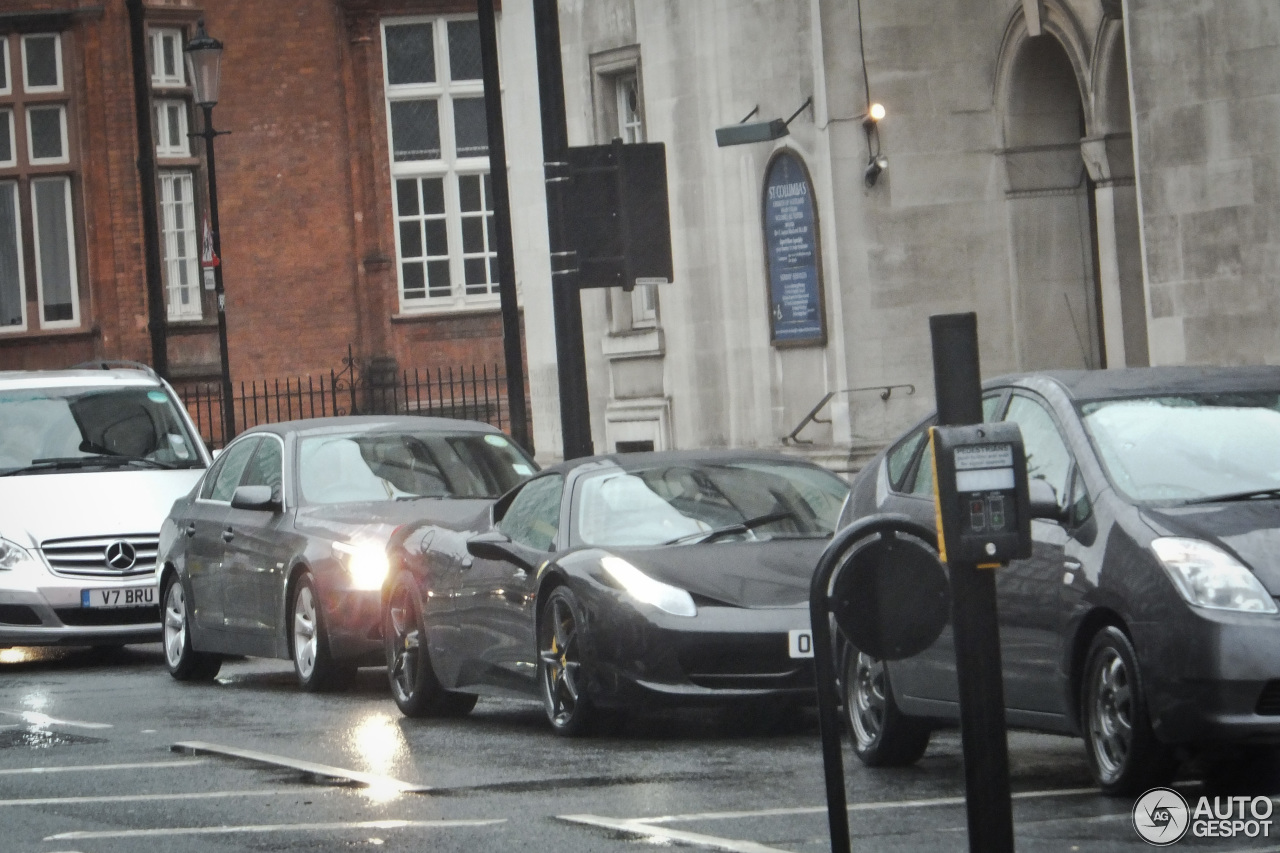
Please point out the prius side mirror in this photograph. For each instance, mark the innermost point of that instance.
(1044, 501)
(255, 497)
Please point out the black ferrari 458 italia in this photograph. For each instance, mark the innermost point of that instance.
(615, 582)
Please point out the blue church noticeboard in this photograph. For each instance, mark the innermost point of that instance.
(796, 313)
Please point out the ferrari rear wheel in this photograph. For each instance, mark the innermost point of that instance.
(882, 735)
(560, 664)
(414, 686)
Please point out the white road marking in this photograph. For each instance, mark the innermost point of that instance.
(148, 798)
(274, 827)
(35, 718)
(92, 768)
(370, 780)
(641, 828)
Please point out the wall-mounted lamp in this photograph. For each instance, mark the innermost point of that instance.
(876, 162)
(757, 131)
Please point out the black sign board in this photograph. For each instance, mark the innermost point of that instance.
(796, 312)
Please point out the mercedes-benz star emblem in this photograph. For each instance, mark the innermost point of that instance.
(121, 556)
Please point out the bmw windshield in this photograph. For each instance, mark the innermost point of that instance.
(1191, 448)
(703, 501)
(58, 429)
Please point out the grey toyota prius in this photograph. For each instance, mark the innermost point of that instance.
(1146, 619)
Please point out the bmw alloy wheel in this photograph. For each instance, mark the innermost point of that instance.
(305, 634)
(175, 625)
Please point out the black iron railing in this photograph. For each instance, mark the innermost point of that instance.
(472, 392)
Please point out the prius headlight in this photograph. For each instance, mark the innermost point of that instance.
(1210, 577)
(14, 556)
(643, 588)
(365, 562)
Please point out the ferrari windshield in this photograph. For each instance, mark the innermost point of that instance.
(700, 501)
(1189, 447)
(392, 465)
(92, 429)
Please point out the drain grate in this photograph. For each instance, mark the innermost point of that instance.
(41, 739)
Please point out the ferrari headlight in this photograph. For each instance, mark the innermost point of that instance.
(1207, 576)
(366, 563)
(643, 588)
(14, 556)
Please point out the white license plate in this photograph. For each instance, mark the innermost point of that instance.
(800, 643)
(138, 596)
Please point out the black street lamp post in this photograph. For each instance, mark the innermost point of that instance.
(204, 65)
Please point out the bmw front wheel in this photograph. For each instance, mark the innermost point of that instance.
(184, 662)
(313, 661)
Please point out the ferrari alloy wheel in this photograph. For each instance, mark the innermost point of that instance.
(1124, 755)
(313, 663)
(184, 662)
(882, 735)
(414, 685)
(560, 664)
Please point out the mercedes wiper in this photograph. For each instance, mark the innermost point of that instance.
(744, 526)
(1254, 494)
(68, 463)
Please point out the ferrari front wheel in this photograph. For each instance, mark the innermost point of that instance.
(414, 685)
(560, 670)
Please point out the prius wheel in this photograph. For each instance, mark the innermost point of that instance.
(184, 662)
(1124, 754)
(560, 664)
(414, 685)
(882, 735)
(313, 661)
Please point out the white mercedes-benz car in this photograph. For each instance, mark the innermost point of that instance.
(91, 460)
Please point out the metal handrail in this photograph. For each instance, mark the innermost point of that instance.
(812, 418)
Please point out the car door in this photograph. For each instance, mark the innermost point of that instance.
(204, 529)
(1029, 593)
(494, 604)
(258, 548)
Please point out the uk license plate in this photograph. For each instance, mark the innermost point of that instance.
(138, 596)
(800, 642)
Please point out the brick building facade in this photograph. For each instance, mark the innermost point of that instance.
(352, 186)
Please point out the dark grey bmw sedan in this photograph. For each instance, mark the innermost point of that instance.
(1146, 619)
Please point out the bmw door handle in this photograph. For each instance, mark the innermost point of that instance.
(1072, 565)
(191, 529)
(228, 535)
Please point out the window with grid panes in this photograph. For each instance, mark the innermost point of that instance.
(179, 246)
(639, 309)
(38, 170)
(438, 139)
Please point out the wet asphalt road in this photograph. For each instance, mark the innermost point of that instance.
(88, 763)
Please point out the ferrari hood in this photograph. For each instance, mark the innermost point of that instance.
(1250, 530)
(774, 573)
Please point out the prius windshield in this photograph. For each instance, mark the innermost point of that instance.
(46, 430)
(1191, 447)
(701, 502)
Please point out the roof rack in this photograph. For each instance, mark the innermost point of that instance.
(109, 364)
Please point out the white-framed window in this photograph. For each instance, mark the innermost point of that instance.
(181, 248)
(6, 79)
(439, 146)
(42, 63)
(165, 58)
(620, 115)
(47, 134)
(13, 300)
(171, 128)
(8, 144)
(56, 280)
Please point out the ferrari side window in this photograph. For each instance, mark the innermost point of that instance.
(533, 519)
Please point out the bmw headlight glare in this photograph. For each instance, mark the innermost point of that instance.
(641, 587)
(14, 556)
(1207, 576)
(366, 563)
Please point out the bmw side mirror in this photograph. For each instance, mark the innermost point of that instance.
(1044, 501)
(255, 497)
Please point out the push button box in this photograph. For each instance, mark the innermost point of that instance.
(980, 489)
